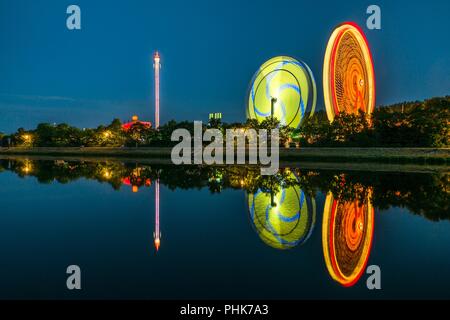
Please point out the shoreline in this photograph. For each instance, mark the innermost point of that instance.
(361, 159)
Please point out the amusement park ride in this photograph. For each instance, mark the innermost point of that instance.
(136, 173)
(147, 124)
(284, 87)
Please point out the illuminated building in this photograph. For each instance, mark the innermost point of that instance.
(215, 116)
(347, 233)
(134, 121)
(283, 219)
(157, 67)
(284, 88)
(348, 73)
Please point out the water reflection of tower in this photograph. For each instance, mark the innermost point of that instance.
(157, 233)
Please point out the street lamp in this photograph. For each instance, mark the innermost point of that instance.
(272, 106)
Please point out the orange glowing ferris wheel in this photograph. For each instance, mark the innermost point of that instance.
(347, 233)
(348, 72)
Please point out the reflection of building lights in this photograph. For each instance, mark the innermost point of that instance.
(27, 167)
(135, 189)
(107, 134)
(137, 172)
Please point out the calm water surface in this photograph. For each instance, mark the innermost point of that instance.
(220, 232)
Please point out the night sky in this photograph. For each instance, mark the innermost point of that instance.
(210, 51)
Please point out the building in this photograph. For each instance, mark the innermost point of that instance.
(215, 116)
(135, 120)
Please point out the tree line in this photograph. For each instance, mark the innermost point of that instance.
(409, 124)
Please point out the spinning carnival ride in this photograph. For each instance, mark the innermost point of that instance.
(348, 73)
(284, 88)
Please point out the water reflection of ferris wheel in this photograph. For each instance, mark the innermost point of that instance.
(284, 218)
(347, 233)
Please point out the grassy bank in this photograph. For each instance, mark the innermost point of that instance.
(424, 156)
(420, 156)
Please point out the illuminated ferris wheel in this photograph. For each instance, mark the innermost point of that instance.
(283, 88)
(348, 72)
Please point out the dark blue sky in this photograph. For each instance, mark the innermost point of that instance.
(210, 50)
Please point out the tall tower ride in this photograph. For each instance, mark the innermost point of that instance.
(157, 67)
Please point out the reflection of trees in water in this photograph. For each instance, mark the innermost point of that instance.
(422, 193)
(67, 171)
(426, 194)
